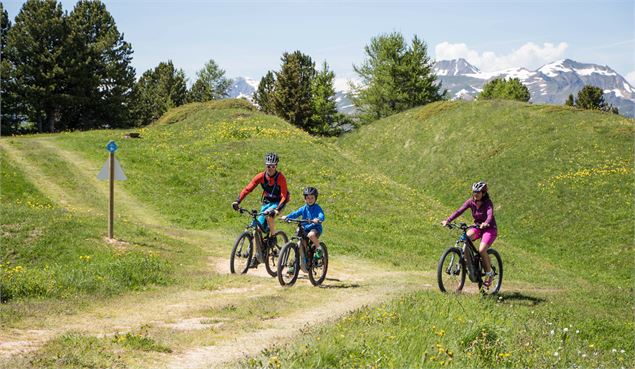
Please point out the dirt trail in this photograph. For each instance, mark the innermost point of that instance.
(188, 310)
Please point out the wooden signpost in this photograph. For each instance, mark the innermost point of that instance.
(111, 171)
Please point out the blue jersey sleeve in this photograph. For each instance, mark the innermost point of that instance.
(295, 214)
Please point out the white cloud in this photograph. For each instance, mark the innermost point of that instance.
(529, 55)
(342, 83)
(630, 77)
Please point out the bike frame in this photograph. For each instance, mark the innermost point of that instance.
(302, 242)
(257, 231)
(470, 254)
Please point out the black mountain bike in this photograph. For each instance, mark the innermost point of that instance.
(266, 245)
(462, 257)
(300, 253)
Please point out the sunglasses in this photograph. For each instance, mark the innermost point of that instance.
(271, 165)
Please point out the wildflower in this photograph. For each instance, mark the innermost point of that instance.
(614, 350)
(551, 332)
(565, 329)
(555, 353)
(622, 351)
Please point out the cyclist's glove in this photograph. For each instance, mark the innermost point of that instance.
(235, 205)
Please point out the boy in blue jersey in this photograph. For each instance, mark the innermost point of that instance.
(310, 211)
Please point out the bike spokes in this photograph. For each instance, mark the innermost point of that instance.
(450, 271)
(288, 264)
(241, 255)
(319, 265)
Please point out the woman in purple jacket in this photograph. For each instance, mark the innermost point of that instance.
(483, 214)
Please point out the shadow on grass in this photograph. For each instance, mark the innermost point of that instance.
(519, 298)
(342, 285)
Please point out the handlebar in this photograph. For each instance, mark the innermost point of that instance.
(253, 213)
(462, 226)
(300, 221)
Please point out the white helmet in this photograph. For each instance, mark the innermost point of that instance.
(480, 186)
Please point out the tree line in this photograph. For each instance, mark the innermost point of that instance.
(72, 71)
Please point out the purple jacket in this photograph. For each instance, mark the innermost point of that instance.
(484, 214)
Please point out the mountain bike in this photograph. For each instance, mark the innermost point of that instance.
(300, 253)
(463, 258)
(267, 246)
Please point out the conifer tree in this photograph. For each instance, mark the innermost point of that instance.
(158, 90)
(211, 84)
(570, 101)
(502, 89)
(9, 104)
(36, 48)
(292, 89)
(264, 94)
(592, 97)
(394, 77)
(100, 70)
(325, 113)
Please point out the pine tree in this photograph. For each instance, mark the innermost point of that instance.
(592, 97)
(158, 90)
(102, 77)
(211, 84)
(502, 89)
(35, 47)
(325, 113)
(570, 101)
(394, 77)
(264, 94)
(292, 90)
(9, 104)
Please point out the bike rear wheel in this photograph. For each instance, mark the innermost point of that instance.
(288, 264)
(242, 252)
(319, 266)
(451, 271)
(273, 252)
(497, 278)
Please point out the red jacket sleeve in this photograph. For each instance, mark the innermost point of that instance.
(284, 192)
(258, 179)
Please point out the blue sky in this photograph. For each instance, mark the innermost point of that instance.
(247, 38)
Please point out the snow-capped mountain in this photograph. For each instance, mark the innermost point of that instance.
(455, 67)
(551, 83)
(243, 87)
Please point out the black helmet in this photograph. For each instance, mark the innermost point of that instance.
(310, 191)
(271, 158)
(480, 186)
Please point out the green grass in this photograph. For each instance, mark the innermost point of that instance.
(561, 181)
(431, 330)
(48, 251)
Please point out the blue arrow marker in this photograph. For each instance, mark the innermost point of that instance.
(111, 146)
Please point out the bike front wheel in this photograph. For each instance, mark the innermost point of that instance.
(319, 265)
(288, 264)
(451, 271)
(242, 252)
(497, 278)
(273, 252)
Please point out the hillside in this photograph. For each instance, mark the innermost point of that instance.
(561, 180)
(556, 175)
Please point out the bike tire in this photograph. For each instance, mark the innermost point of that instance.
(241, 255)
(319, 267)
(289, 258)
(497, 279)
(451, 271)
(273, 252)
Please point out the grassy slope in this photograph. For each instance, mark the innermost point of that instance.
(562, 183)
(561, 180)
(385, 187)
